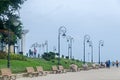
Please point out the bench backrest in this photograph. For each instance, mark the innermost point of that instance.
(54, 68)
(30, 69)
(6, 71)
(73, 67)
(60, 67)
(93, 65)
(39, 68)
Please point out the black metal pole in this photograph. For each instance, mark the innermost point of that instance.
(84, 52)
(86, 38)
(99, 53)
(59, 48)
(8, 57)
(47, 47)
(39, 50)
(92, 54)
(46, 43)
(22, 42)
(101, 43)
(68, 50)
(71, 47)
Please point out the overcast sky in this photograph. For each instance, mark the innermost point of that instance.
(98, 18)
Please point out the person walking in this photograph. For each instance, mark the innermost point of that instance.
(30, 53)
(35, 52)
(113, 63)
(117, 63)
(108, 63)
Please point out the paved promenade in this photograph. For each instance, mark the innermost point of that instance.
(99, 74)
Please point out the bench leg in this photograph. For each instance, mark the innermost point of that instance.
(30, 75)
(5, 78)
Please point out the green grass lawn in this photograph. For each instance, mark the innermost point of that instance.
(18, 66)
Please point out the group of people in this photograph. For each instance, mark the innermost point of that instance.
(115, 63)
(32, 53)
(108, 63)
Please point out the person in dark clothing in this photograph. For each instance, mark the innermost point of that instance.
(30, 53)
(108, 63)
(117, 63)
(35, 52)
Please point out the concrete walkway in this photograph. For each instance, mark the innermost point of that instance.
(99, 74)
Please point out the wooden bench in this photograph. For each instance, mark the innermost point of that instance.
(55, 69)
(73, 68)
(85, 67)
(7, 74)
(41, 71)
(94, 66)
(31, 72)
(61, 68)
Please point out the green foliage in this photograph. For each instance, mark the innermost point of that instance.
(57, 54)
(4, 55)
(73, 59)
(15, 4)
(8, 28)
(48, 56)
(53, 61)
(67, 57)
(17, 57)
(8, 11)
(77, 60)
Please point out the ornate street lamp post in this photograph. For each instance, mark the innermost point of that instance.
(39, 55)
(54, 49)
(101, 43)
(61, 31)
(91, 45)
(86, 39)
(70, 40)
(43, 48)
(46, 43)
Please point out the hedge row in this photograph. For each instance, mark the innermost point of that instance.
(3, 55)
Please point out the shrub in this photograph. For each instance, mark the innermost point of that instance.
(48, 56)
(65, 62)
(53, 61)
(67, 57)
(3, 55)
(72, 59)
(77, 60)
(57, 54)
(17, 57)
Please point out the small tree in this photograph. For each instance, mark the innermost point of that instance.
(67, 57)
(8, 10)
(48, 56)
